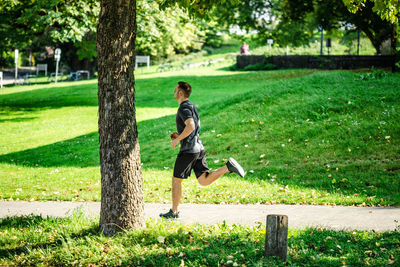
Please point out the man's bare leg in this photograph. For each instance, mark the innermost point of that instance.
(208, 178)
(176, 193)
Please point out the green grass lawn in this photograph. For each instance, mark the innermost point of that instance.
(76, 241)
(303, 137)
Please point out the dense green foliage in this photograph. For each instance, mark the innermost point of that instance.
(321, 138)
(166, 28)
(198, 8)
(162, 33)
(76, 241)
(34, 24)
(388, 10)
(72, 26)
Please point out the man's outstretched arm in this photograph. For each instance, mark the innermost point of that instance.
(189, 128)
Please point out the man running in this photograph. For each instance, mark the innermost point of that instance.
(192, 155)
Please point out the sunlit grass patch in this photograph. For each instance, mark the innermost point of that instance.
(325, 138)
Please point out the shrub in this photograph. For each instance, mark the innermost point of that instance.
(374, 74)
(261, 66)
(234, 67)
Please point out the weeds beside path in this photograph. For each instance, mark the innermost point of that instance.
(76, 241)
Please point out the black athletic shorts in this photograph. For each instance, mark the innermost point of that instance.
(186, 162)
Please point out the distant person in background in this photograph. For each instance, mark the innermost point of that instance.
(244, 49)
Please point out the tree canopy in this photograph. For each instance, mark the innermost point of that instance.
(163, 27)
(387, 9)
(25, 22)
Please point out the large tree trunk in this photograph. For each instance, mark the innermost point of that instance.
(121, 179)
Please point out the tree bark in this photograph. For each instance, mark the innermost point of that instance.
(377, 43)
(121, 179)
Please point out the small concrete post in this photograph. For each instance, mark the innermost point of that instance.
(276, 236)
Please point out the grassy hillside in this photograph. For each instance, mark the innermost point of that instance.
(302, 136)
(329, 137)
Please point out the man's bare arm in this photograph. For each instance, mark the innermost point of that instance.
(189, 128)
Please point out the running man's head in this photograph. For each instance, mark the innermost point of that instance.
(182, 91)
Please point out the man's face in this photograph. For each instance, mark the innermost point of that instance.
(176, 92)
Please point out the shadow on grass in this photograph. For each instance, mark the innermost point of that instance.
(82, 151)
(53, 97)
(24, 119)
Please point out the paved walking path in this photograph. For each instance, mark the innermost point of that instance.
(300, 216)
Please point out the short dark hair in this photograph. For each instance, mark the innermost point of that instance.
(185, 87)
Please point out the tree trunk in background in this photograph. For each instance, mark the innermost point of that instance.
(393, 43)
(121, 179)
(375, 42)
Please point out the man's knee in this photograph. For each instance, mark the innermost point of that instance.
(177, 180)
(203, 179)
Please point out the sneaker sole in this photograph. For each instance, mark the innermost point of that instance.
(237, 166)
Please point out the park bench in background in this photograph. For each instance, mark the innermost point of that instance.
(52, 77)
(184, 66)
(188, 65)
(165, 67)
(142, 59)
(27, 78)
(41, 67)
(78, 75)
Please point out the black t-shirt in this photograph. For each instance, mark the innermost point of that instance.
(192, 143)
